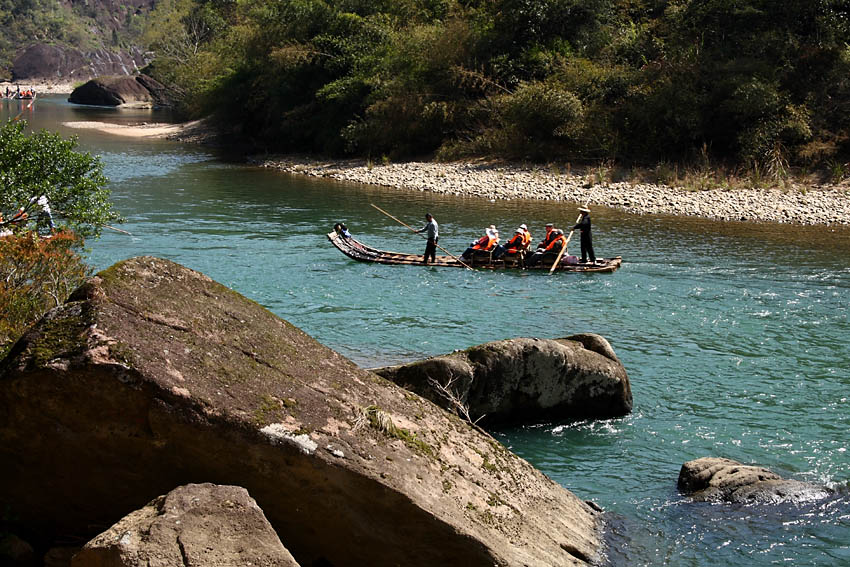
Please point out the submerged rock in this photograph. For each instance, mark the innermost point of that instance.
(128, 91)
(719, 479)
(152, 376)
(523, 380)
(195, 524)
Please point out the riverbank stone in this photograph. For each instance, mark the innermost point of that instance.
(153, 376)
(139, 91)
(716, 479)
(195, 524)
(523, 380)
(494, 180)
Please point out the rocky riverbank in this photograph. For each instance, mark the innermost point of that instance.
(820, 204)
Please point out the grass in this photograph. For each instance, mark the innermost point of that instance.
(381, 421)
(773, 174)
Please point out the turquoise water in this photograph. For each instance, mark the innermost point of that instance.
(734, 335)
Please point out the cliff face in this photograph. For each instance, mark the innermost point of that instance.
(152, 376)
(74, 41)
(41, 61)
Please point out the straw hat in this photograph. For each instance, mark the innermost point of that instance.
(523, 227)
(583, 210)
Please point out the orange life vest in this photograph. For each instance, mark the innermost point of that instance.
(516, 244)
(547, 238)
(484, 243)
(526, 239)
(557, 242)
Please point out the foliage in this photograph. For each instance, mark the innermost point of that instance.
(760, 83)
(44, 163)
(36, 274)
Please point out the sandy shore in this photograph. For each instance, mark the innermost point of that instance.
(825, 205)
(143, 130)
(196, 131)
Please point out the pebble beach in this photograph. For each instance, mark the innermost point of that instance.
(809, 205)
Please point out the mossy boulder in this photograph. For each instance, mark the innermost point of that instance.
(715, 479)
(139, 91)
(153, 376)
(523, 380)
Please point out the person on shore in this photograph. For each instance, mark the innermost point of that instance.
(586, 239)
(517, 244)
(432, 233)
(486, 243)
(549, 248)
(44, 211)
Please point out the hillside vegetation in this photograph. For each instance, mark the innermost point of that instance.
(760, 83)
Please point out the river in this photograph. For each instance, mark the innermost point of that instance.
(734, 335)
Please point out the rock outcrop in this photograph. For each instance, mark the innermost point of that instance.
(137, 91)
(44, 61)
(15, 552)
(523, 380)
(195, 524)
(152, 376)
(715, 479)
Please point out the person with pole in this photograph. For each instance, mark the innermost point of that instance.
(586, 240)
(432, 232)
(436, 235)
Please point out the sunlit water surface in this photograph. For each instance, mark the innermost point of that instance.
(733, 335)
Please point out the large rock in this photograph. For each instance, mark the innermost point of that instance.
(523, 380)
(152, 376)
(718, 479)
(195, 524)
(138, 91)
(44, 61)
(15, 552)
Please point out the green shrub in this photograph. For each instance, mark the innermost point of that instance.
(36, 274)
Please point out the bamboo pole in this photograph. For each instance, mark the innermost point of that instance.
(564, 248)
(464, 264)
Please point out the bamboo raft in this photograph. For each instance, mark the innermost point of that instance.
(356, 250)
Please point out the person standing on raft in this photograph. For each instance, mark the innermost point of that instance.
(432, 232)
(586, 239)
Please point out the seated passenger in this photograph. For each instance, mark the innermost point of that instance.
(549, 248)
(512, 247)
(486, 243)
(526, 235)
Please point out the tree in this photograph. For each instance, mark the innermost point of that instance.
(37, 274)
(44, 163)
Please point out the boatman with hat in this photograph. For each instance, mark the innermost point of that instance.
(432, 233)
(586, 239)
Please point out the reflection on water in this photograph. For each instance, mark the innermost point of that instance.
(734, 335)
